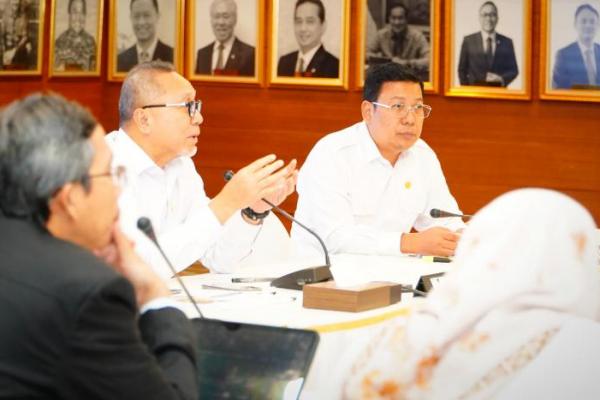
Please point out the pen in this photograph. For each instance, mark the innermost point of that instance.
(251, 280)
(234, 289)
(436, 259)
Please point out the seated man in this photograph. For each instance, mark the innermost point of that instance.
(160, 124)
(363, 189)
(73, 327)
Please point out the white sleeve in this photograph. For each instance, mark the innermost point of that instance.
(324, 203)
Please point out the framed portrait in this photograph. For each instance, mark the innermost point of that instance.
(309, 43)
(488, 49)
(570, 50)
(144, 30)
(402, 31)
(75, 37)
(21, 36)
(226, 40)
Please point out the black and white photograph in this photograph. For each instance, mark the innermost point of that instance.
(227, 37)
(76, 37)
(310, 42)
(570, 67)
(490, 48)
(21, 29)
(144, 30)
(401, 31)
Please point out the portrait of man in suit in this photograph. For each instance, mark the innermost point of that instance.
(144, 16)
(399, 42)
(311, 60)
(578, 64)
(226, 55)
(487, 58)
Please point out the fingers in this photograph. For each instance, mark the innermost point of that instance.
(261, 162)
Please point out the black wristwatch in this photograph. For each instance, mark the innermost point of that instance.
(253, 215)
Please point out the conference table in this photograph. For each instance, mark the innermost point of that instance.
(343, 335)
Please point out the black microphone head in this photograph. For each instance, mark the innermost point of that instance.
(228, 175)
(435, 213)
(145, 225)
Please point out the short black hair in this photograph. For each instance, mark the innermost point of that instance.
(395, 5)
(317, 3)
(73, 1)
(43, 145)
(388, 72)
(586, 7)
(154, 3)
(489, 3)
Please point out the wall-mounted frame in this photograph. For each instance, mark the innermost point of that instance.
(478, 64)
(307, 50)
(404, 32)
(21, 37)
(570, 50)
(237, 26)
(75, 37)
(132, 26)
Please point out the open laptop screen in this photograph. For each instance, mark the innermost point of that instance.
(245, 361)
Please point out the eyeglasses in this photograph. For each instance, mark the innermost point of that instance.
(401, 110)
(118, 175)
(193, 106)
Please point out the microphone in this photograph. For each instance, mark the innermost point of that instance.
(145, 225)
(437, 213)
(296, 280)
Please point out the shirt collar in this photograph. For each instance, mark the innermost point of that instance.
(583, 48)
(308, 56)
(226, 44)
(485, 35)
(150, 49)
(131, 155)
(369, 148)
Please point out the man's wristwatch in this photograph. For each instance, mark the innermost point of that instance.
(253, 215)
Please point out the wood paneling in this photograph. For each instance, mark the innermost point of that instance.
(486, 147)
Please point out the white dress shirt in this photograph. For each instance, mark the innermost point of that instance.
(359, 203)
(173, 198)
(227, 45)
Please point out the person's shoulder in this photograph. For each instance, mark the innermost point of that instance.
(162, 47)
(289, 56)
(385, 32)
(570, 48)
(415, 33)
(338, 140)
(242, 46)
(206, 49)
(62, 39)
(472, 37)
(128, 52)
(88, 38)
(503, 38)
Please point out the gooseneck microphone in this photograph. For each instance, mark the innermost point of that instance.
(296, 280)
(437, 213)
(145, 225)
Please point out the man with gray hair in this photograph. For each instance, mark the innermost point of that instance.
(72, 326)
(227, 55)
(159, 128)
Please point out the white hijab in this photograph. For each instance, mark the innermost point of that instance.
(525, 264)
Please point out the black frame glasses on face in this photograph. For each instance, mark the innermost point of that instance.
(194, 107)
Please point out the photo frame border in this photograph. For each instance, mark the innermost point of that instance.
(483, 91)
(341, 82)
(191, 48)
(435, 10)
(40, 47)
(113, 74)
(545, 91)
(51, 71)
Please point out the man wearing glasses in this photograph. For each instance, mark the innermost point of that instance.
(364, 188)
(159, 129)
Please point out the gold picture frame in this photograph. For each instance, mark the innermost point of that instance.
(284, 49)
(431, 85)
(551, 80)
(79, 53)
(245, 54)
(21, 40)
(122, 51)
(517, 54)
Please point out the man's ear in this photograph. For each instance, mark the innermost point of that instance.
(65, 201)
(142, 120)
(366, 110)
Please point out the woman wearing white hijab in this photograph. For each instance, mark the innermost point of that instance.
(524, 266)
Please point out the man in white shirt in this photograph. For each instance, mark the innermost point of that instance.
(365, 187)
(159, 129)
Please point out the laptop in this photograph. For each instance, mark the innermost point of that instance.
(246, 361)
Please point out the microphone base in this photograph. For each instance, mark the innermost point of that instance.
(296, 280)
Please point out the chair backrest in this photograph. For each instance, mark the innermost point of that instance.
(567, 368)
